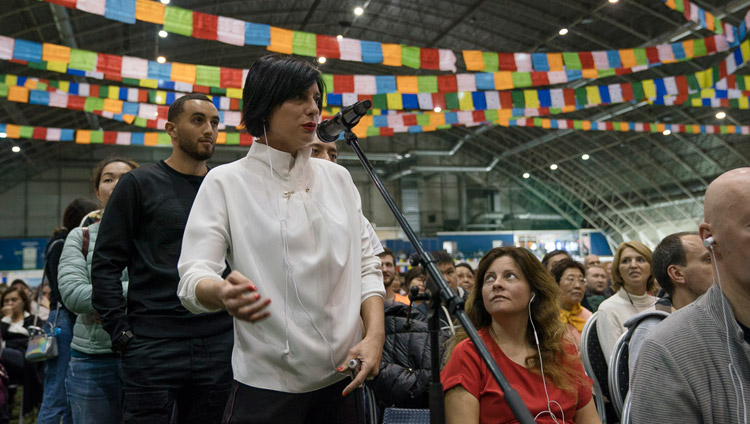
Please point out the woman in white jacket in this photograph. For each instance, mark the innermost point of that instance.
(305, 277)
(93, 380)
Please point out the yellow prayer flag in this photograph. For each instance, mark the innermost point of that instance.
(128, 118)
(590, 73)
(671, 4)
(546, 123)
(83, 136)
(11, 80)
(183, 72)
(113, 92)
(661, 127)
(151, 139)
(149, 11)
(627, 57)
(531, 98)
(465, 101)
(689, 47)
(281, 40)
(13, 131)
(649, 89)
(745, 49)
(234, 93)
(436, 119)
(473, 60)
(744, 102)
(391, 54)
(585, 125)
(60, 67)
(55, 53)
(148, 83)
(503, 80)
(18, 94)
(112, 105)
(360, 131)
(593, 96)
(407, 84)
(394, 101)
(555, 61)
(222, 138)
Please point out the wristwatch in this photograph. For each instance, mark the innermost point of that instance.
(119, 344)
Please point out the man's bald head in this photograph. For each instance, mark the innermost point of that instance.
(727, 221)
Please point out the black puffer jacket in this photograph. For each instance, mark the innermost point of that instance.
(404, 377)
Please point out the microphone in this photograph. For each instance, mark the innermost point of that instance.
(346, 119)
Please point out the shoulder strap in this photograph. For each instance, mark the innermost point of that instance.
(85, 244)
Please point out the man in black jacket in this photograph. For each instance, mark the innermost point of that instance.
(176, 366)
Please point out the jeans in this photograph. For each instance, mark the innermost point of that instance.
(55, 398)
(95, 390)
(181, 381)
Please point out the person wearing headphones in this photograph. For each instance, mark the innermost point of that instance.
(695, 365)
(306, 291)
(514, 306)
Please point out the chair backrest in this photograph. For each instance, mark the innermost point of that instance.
(626, 410)
(619, 374)
(595, 365)
(406, 416)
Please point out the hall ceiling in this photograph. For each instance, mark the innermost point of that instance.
(632, 181)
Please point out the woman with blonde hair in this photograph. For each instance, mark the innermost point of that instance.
(632, 281)
(514, 306)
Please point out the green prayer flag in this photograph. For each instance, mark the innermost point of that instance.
(638, 91)
(699, 47)
(718, 25)
(423, 119)
(692, 81)
(490, 62)
(538, 122)
(93, 103)
(380, 101)
(178, 20)
(41, 86)
(451, 101)
(97, 137)
(164, 139)
(491, 115)
(521, 79)
(140, 122)
(233, 139)
(218, 91)
(427, 83)
(723, 129)
(208, 75)
(410, 56)
(444, 127)
(582, 98)
(577, 124)
(571, 60)
(519, 101)
(27, 131)
(37, 65)
(373, 131)
(82, 60)
(640, 56)
(328, 82)
(680, 6)
(606, 73)
(131, 81)
(304, 43)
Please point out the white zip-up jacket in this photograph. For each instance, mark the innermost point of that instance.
(297, 233)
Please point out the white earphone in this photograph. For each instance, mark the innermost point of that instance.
(708, 242)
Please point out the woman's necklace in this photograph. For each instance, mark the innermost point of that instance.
(631, 301)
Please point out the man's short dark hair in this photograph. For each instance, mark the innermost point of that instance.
(178, 106)
(442, 257)
(272, 80)
(559, 269)
(670, 251)
(546, 258)
(76, 210)
(386, 251)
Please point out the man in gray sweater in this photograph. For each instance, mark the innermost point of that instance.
(695, 366)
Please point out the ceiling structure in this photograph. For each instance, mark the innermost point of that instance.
(633, 186)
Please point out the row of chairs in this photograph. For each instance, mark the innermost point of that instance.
(611, 383)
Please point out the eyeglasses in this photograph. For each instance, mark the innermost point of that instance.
(574, 280)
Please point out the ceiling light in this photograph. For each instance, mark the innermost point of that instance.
(563, 31)
(613, 1)
(156, 113)
(15, 149)
(526, 175)
(359, 11)
(339, 37)
(3, 135)
(721, 115)
(667, 132)
(161, 59)
(437, 109)
(585, 156)
(164, 1)
(553, 166)
(163, 34)
(322, 59)
(408, 155)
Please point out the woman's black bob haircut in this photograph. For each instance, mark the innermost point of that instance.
(272, 80)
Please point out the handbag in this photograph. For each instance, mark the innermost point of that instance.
(42, 346)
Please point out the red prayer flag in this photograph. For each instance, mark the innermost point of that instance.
(609, 126)
(682, 84)
(711, 45)
(539, 78)
(93, 90)
(652, 54)
(478, 116)
(230, 77)
(109, 63)
(327, 46)
(410, 119)
(76, 102)
(438, 100)
(40, 133)
(429, 58)
(506, 100)
(627, 92)
(234, 104)
(201, 89)
(67, 3)
(245, 139)
(506, 62)
(163, 112)
(569, 97)
(587, 60)
(205, 26)
(447, 84)
(151, 123)
(363, 97)
(343, 83)
(110, 137)
(386, 132)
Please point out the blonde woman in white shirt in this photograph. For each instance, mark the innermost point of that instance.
(304, 273)
(633, 284)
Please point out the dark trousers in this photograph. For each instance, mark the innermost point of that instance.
(249, 405)
(176, 381)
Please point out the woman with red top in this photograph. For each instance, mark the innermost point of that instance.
(512, 288)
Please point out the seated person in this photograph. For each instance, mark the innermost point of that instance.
(514, 298)
(550, 259)
(632, 282)
(569, 276)
(415, 277)
(465, 275)
(596, 288)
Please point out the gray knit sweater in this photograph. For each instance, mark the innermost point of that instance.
(682, 374)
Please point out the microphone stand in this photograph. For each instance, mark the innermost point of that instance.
(441, 291)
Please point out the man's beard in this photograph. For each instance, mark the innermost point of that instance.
(192, 150)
